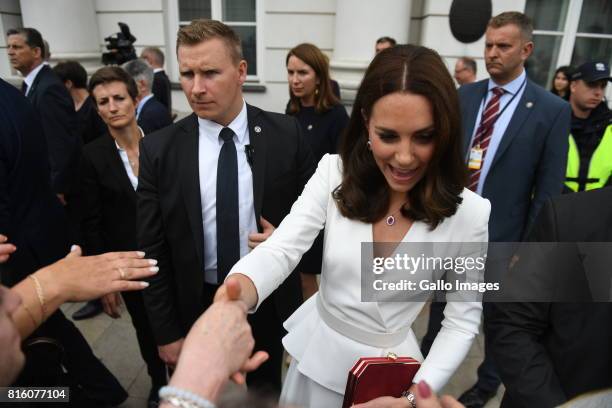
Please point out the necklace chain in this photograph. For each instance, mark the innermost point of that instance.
(390, 220)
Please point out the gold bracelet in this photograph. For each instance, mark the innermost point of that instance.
(27, 309)
(41, 296)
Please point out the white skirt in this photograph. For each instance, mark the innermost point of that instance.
(300, 391)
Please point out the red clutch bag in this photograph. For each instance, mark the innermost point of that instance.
(373, 377)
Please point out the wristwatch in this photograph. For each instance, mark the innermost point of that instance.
(410, 397)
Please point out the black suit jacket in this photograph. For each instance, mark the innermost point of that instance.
(105, 200)
(170, 225)
(548, 352)
(161, 89)
(53, 103)
(529, 164)
(153, 116)
(30, 213)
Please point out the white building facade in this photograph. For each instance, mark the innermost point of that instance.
(566, 32)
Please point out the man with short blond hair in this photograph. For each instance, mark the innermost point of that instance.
(210, 187)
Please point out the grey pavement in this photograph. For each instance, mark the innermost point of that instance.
(114, 342)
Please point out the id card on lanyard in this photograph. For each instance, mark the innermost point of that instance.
(476, 158)
(477, 153)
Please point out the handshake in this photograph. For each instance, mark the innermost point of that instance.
(219, 346)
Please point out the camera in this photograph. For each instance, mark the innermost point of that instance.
(120, 47)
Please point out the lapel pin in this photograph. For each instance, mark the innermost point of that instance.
(529, 105)
(309, 127)
(257, 129)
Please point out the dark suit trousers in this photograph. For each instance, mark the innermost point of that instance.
(95, 384)
(268, 333)
(146, 342)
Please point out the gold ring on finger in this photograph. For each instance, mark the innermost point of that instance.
(121, 273)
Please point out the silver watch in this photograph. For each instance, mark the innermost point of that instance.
(410, 397)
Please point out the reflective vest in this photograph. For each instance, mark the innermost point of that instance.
(600, 166)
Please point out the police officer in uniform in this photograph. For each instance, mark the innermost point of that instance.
(589, 162)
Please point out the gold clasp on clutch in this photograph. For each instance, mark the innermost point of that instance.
(392, 355)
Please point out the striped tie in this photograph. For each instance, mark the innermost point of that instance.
(484, 132)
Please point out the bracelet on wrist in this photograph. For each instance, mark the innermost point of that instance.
(410, 397)
(182, 398)
(41, 296)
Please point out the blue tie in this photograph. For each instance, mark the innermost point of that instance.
(228, 237)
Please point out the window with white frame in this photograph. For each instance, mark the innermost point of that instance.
(240, 15)
(568, 32)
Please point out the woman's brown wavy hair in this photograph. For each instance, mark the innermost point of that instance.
(315, 59)
(364, 193)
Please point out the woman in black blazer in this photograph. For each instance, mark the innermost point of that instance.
(315, 104)
(106, 198)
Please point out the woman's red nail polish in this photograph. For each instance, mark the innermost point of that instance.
(424, 389)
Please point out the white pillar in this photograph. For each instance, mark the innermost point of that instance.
(70, 27)
(359, 23)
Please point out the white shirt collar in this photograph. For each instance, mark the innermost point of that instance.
(29, 79)
(141, 104)
(120, 148)
(156, 70)
(511, 87)
(239, 125)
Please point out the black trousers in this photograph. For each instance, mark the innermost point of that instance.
(91, 383)
(268, 333)
(146, 342)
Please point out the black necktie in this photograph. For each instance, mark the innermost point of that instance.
(24, 87)
(228, 237)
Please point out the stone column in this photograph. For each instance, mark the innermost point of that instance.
(359, 23)
(70, 27)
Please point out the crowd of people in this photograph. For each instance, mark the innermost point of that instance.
(235, 229)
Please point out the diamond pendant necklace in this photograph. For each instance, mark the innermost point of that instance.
(391, 218)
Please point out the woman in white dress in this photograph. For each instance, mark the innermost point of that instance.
(399, 177)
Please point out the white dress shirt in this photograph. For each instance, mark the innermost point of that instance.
(209, 147)
(126, 162)
(29, 79)
(515, 87)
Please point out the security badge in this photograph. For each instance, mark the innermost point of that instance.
(476, 156)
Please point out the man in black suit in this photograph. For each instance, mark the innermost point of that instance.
(161, 84)
(207, 188)
(549, 352)
(150, 113)
(34, 220)
(51, 100)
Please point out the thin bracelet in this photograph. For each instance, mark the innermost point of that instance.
(41, 296)
(182, 398)
(27, 309)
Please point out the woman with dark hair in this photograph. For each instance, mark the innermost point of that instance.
(323, 118)
(106, 199)
(399, 178)
(560, 83)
